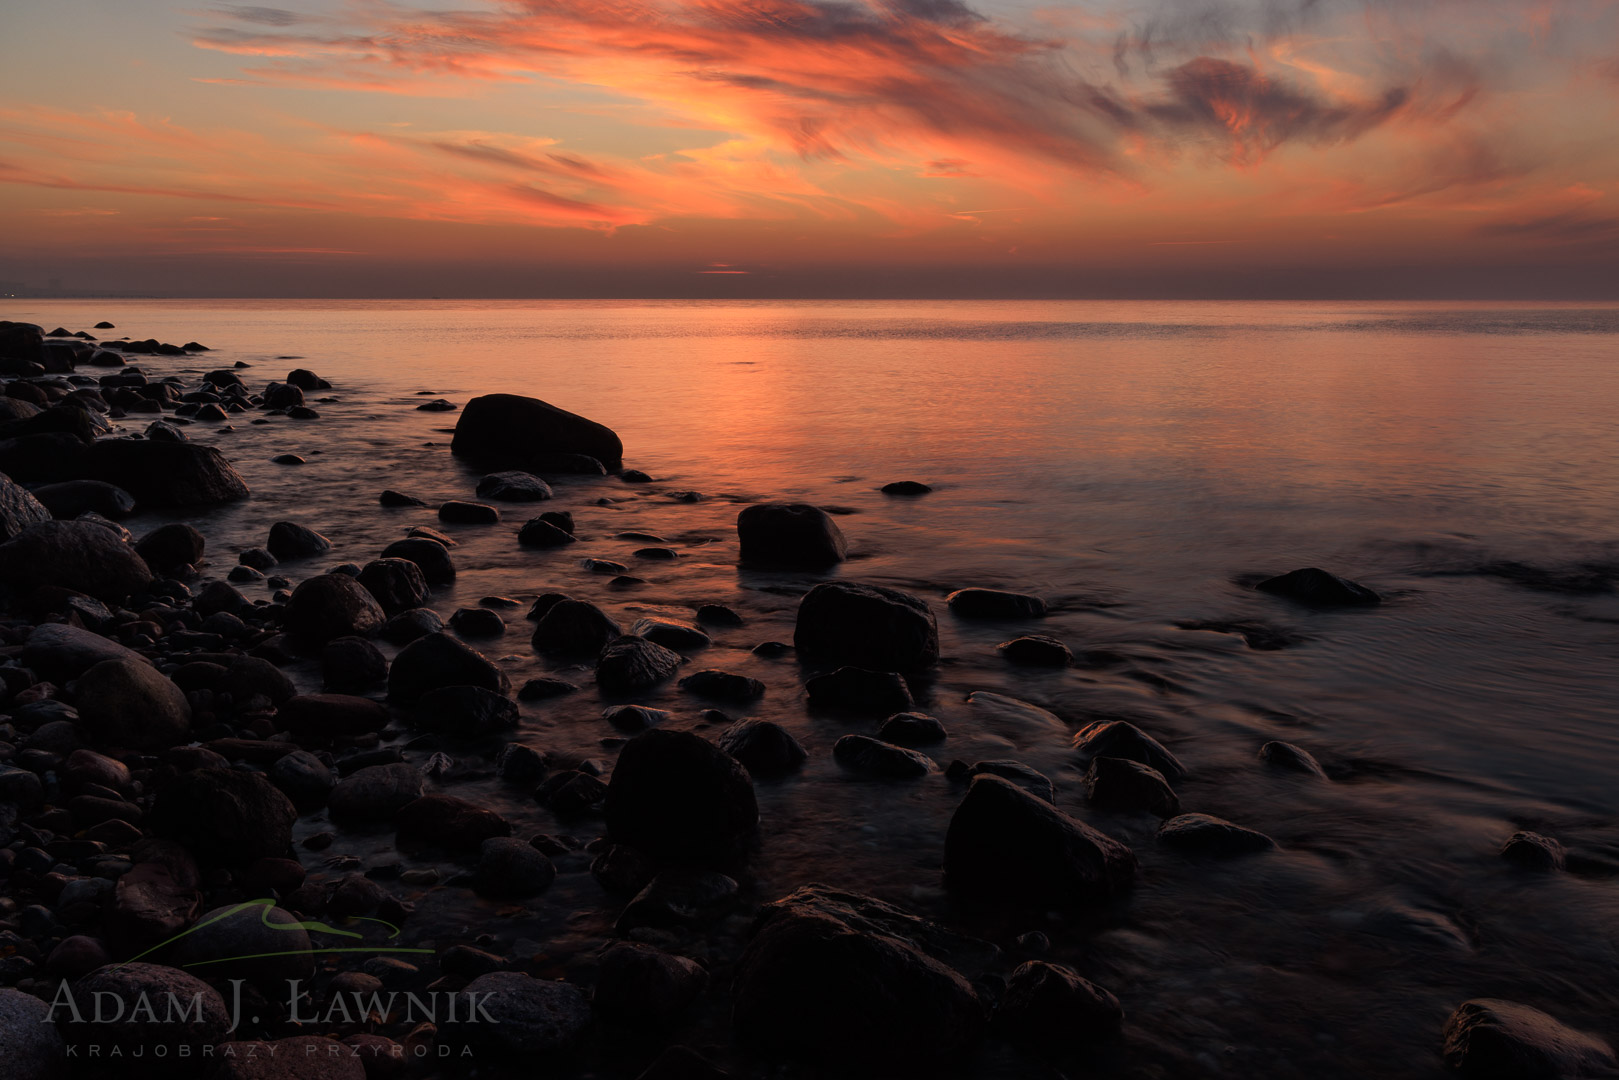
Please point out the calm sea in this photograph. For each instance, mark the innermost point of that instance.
(1137, 464)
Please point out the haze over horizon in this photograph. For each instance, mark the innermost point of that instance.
(765, 148)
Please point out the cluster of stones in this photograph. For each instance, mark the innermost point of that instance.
(157, 758)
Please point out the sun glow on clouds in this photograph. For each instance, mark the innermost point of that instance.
(821, 122)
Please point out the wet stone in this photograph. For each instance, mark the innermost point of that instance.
(764, 747)
(912, 729)
(1289, 758)
(1125, 785)
(863, 754)
(722, 685)
(860, 690)
(1204, 834)
(1036, 650)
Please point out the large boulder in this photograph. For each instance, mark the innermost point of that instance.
(130, 703)
(225, 816)
(1005, 845)
(676, 796)
(161, 474)
(854, 984)
(439, 660)
(1491, 1039)
(77, 555)
(790, 536)
(841, 622)
(507, 430)
(195, 1022)
(333, 605)
(18, 509)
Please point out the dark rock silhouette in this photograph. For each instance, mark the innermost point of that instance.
(678, 797)
(1005, 846)
(1491, 1039)
(855, 984)
(164, 474)
(509, 431)
(789, 535)
(994, 604)
(867, 626)
(1318, 588)
(1205, 834)
(77, 555)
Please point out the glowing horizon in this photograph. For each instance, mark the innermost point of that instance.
(743, 147)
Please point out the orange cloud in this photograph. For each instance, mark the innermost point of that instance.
(824, 125)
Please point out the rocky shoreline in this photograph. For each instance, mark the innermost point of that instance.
(168, 793)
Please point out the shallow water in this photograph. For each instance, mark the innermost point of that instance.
(1136, 464)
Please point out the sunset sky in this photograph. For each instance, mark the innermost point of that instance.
(812, 147)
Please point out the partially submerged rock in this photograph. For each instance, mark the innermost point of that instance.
(867, 626)
(1050, 1009)
(863, 754)
(1318, 588)
(507, 430)
(858, 690)
(1492, 1039)
(764, 747)
(676, 796)
(1122, 784)
(1289, 758)
(1205, 834)
(438, 660)
(789, 535)
(1122, 739)
(853, 983)
(1006, 846)
(630, 664)
(994, 604)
